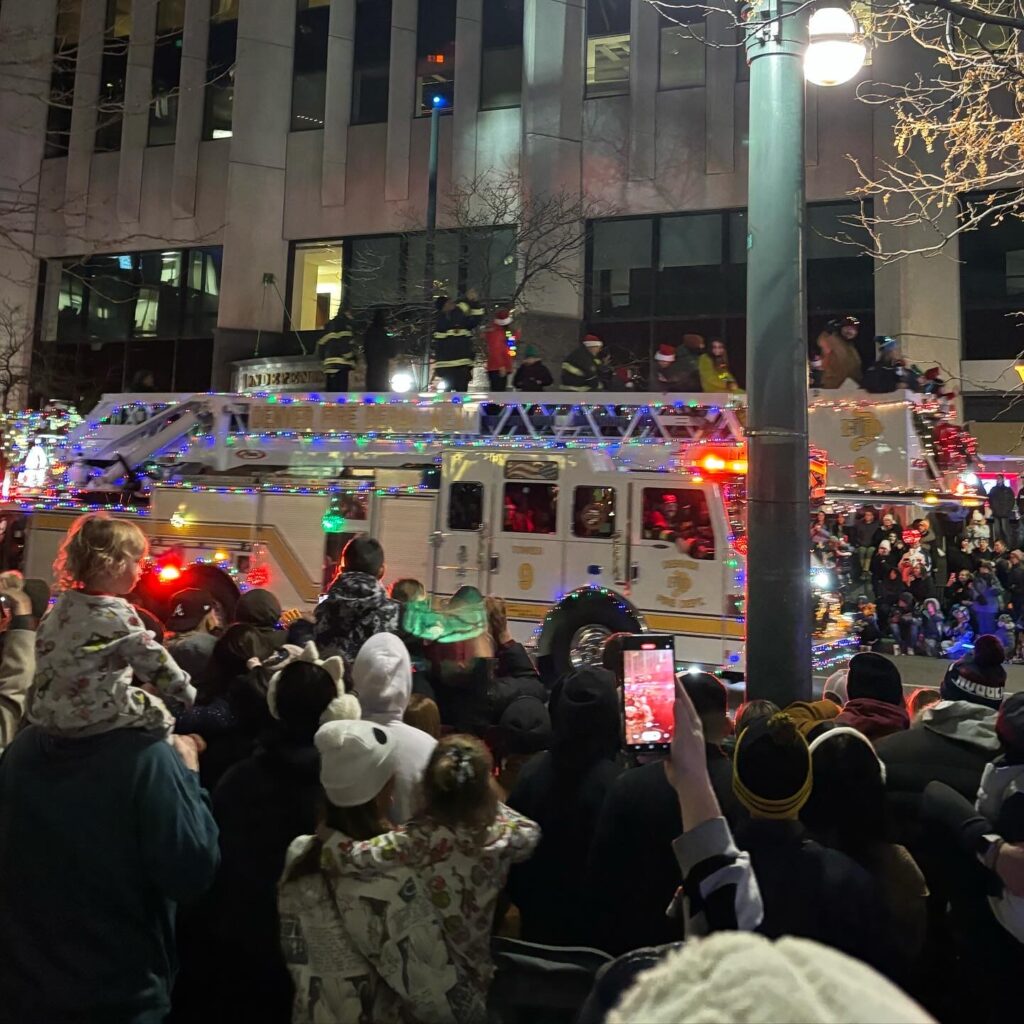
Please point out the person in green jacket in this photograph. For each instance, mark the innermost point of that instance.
(715, 375)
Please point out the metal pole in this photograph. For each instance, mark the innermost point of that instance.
(428, 256)
(778, 608)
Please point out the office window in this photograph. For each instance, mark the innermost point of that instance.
(372, 60)
(620, 267)
(991, 285)
(113, 71)
(220, 69)
(607, 47)
(62, 78)
(316, 284)
(309, 70)
(501, 60)
(435, 54)
(490, 259)
(683, 50)
(690, 259)
(163, 107)
(375, 271)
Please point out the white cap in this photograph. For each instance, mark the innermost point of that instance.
(356, 761)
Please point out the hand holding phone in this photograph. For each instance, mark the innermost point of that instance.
(687, 768)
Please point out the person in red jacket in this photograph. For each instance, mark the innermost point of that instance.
(499, 358)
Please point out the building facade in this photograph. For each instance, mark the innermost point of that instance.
(194, 182)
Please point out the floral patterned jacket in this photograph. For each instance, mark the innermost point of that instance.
(89, 649)
(397, 928)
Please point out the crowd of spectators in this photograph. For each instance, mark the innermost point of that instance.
(342, 817)
(929, 586)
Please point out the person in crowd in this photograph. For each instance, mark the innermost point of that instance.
(378, 351)
(634, 833)
(985, 600)
(737, 976)
(881, 563)
(978, 528)
(563, 789)
(888, 529)
(809, 891)
(357, 605)
(193, 622)
(232, 966)
(100, 837)
(522, 732)
(1001, 801)
(532, 374)
(510, 655)
(337, 351)
(933, 627)
(889, 592)
(847, 811)
(142, 383)
(919, 699)
(905, 624)
(981, 553)
(1006, 634)
(92, 649)
(454, 323)
(961, 589)
(920, 586)
(405, 591)
(18, 661)
(231, 708)
(667, 376)
(612, 656)
(262, 610)
(812, 717)
(422, 713)
(402, 918)
(1001, 561)
(382, 676)
(1014, 585)
(862, 535)
(499, 357)
(1002, 504)
(840, 360)
(751, 711)
(687, 364)
(959, 633)
(585, 368)
(958, 556)
(713, 366)
(865, 624)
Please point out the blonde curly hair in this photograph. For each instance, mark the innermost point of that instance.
(97, 545)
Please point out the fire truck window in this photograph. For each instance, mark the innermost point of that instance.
(593, 512)
(680, 517)
(465, 506)
(353, 506)
(530, 508)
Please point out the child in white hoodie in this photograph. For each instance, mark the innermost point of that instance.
(382, 680)
(1001, 800)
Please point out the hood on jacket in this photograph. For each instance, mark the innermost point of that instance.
(358, 591)
(967, 723)
(382, 677)
(874, 718)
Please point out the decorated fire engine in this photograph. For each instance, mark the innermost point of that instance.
(587, 514)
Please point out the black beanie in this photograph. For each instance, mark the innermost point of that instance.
(525, 726)
(988, 651)
(871, 675)
(586, 718)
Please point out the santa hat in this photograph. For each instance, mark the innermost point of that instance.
(502, 317)
(665, 354)
(592, 341)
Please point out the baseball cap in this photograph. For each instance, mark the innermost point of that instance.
(357, 759)
(188, 608)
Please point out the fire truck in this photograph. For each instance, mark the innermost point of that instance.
(587, 514)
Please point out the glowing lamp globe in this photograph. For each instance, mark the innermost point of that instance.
(836, 50)
(402, 382)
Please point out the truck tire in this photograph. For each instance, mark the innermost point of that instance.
(583, 618)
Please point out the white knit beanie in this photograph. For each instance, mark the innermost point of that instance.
(345, 705)
(845, 730)
(743, 978)
(356, 761)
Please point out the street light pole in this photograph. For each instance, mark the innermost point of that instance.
(428, 255)
(778, 609)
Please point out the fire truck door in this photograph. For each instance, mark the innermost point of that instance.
(529, 514)
(460, 539)
(595, 544)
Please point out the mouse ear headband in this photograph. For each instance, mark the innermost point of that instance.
(343, 706)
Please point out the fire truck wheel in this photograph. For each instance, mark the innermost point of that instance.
(577, 630)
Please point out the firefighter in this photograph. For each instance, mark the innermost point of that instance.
(585, 369)
(453, 340)
(337, 354)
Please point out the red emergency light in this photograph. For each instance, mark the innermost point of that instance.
(168, 573)
(726, 461)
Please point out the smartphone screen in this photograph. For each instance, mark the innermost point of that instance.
(648, 691)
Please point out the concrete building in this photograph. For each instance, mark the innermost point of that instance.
(195, 181)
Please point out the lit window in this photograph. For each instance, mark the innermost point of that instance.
(166, 89)
(113, 72)
(608, 47)
(220, 69)
(435, 55)
(317, 287)
(309, 71)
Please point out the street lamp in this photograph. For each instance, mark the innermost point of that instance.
(778, 607)
(835, 50)
(428, 255)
